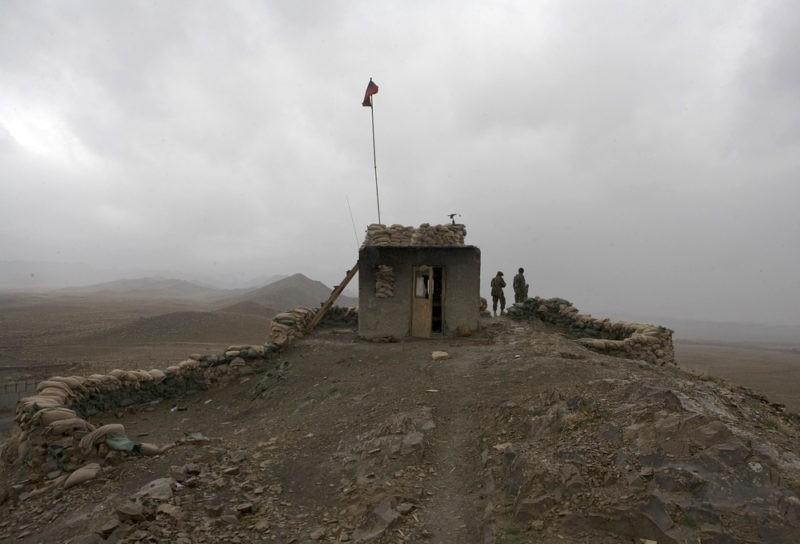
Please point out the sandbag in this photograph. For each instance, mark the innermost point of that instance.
(157, 375)
(55, 393)
(151, 449)
(68, 426)
(88, 442)
(37, 402)
(54, 385)
(50, 415)
(83, 474)
(75, 383)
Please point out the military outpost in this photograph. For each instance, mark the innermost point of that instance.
(418, 282)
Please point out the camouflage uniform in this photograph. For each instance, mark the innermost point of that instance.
(520, 287)
(497, 293)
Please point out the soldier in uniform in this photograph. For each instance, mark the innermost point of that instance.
(497, 293)
(520, 287)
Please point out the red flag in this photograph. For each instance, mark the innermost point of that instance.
(371, 89)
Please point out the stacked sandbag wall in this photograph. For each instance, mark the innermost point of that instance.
(384, 281)
(52, 430)
(289, 326)
(53, 436)
(286, 327)
(425, 235)
(339, 316)
(622, 338)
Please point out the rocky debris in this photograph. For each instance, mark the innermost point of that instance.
(129, 511)
(624, 339)
(383, 473)
(266, 386)
(440, 355)
(377, 522)
(665, 460)
(159, 489)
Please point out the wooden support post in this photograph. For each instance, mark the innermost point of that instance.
(334, 295)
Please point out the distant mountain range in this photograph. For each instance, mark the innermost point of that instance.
(148, 288)
(284, 293)
(48, 275)
(279, 293)
(239, 316)
(295, 290)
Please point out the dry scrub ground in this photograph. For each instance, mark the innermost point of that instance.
(520, 436)
(45, 335)
(773, 372)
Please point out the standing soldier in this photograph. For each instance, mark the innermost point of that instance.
(497, 293)
(520, 287)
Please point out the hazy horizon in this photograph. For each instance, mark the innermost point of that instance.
(634, 158)
(686, 328)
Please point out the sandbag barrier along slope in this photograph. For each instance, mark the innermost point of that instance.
(622, 338)
(286, 327)
(54, 437)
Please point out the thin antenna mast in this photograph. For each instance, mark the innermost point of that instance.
(355, 234)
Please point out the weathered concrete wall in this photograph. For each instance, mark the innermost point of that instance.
(381, 317)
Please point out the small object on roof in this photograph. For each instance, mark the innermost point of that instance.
(452, 217)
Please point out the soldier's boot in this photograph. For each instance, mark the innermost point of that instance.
(495, 313)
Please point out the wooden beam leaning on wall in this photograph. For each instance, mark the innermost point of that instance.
(334, 295)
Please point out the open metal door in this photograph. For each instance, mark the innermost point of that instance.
(422, 302)
(437, 316)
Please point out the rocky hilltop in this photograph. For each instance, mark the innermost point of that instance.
(518, 433)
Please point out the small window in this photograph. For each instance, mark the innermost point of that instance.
(421, 285)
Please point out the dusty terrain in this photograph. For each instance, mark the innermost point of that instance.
(40, 335)
(773, 372)
(520, 436)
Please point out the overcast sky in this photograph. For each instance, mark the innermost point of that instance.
(632, 156)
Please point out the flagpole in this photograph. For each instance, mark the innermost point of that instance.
(374, 158)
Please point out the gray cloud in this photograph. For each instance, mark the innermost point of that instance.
(633, 157)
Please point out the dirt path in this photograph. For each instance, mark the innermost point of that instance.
(451, 514)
